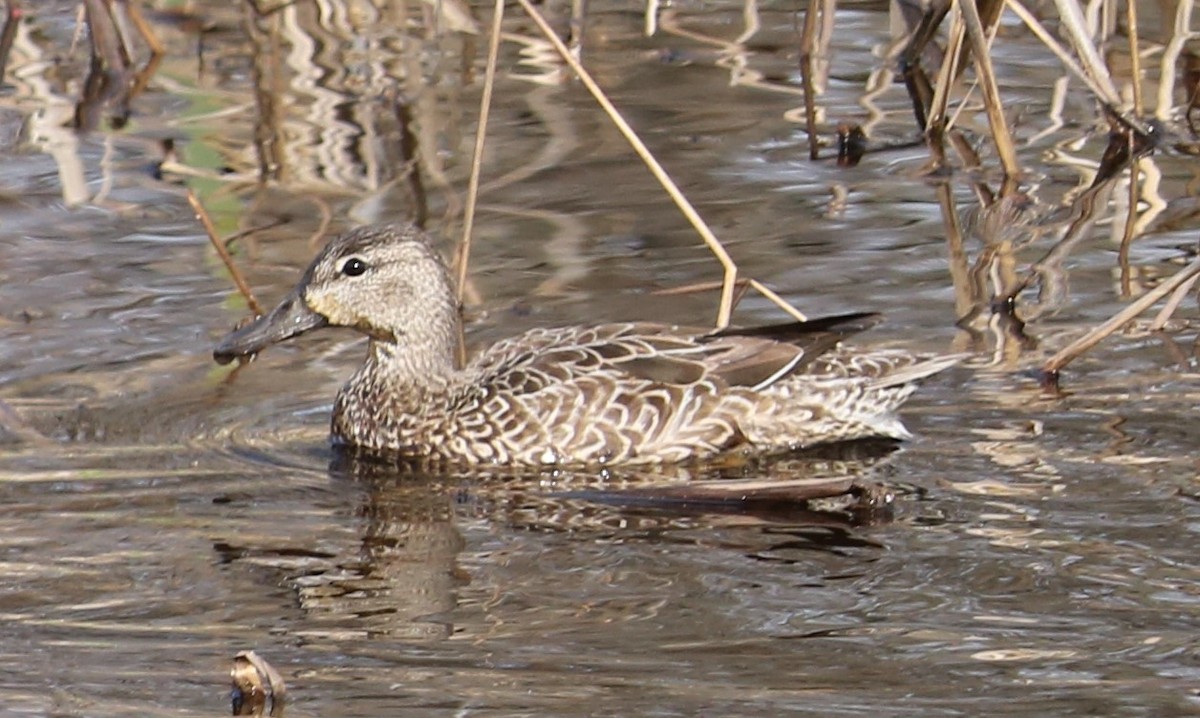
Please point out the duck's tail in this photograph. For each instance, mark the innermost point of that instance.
(917, 371)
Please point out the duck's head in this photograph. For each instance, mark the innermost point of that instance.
(386, 281)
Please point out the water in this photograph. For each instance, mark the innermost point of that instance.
(160, 513)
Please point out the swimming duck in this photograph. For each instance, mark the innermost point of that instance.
(623, 393)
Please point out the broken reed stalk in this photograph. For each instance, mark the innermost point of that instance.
(223, 253)
(485, 107)
(730, 269)
(255, 684)
(977, 39)
(1098, 333)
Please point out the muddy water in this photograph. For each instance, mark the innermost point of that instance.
(158, 513)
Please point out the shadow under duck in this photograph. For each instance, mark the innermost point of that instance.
(622, 393)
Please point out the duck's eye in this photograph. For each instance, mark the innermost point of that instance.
(354, 267)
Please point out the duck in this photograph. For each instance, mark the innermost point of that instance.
(622, 393)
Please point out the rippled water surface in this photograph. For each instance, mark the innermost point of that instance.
(159, 513)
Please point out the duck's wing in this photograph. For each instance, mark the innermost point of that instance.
(655, 392)
(840, 325)
(662, 355)
(757, 357)
(544, 358)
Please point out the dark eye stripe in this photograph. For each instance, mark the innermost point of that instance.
(354, 267)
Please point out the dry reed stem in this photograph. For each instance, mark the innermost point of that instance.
(742, 286)
(1098, 333)
(965, 301)
(578, 14)
(485, 107)
(690, 288)
(1173, 302)
(940, 103)
(1106, 93)
(1135, 70)
(1071, 21)
(1181, 33)
(223, 253)
(107, 44)
(1093, 71)
(118, 11)
(778, 300)
(144, 29)
(807, 44)
(993, 105)
(8, 35)
(1131, 216)
(714, 245)
(77, 36)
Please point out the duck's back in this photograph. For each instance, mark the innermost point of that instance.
(651, 393)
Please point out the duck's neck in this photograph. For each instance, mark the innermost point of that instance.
(402, 366)
(392, 395)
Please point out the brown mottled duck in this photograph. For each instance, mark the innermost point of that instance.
(624, 393)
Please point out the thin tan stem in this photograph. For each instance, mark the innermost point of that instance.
(144, 29)
(578, 13)
(688, 289)
(965, 300)
(714, 245)
(742, 284)
(224, 254)
(977, 39)
(1177, 297)
(1131, 19)
(778, 300)
(1169, 62)
(485, 107)
(1130, 225)
(106, 37)
(80, 24)
(1106, 93)
(936, 125)
(807, 45)
(1071, 21)
(1098, 333)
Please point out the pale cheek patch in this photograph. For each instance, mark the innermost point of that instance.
(324, 304)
